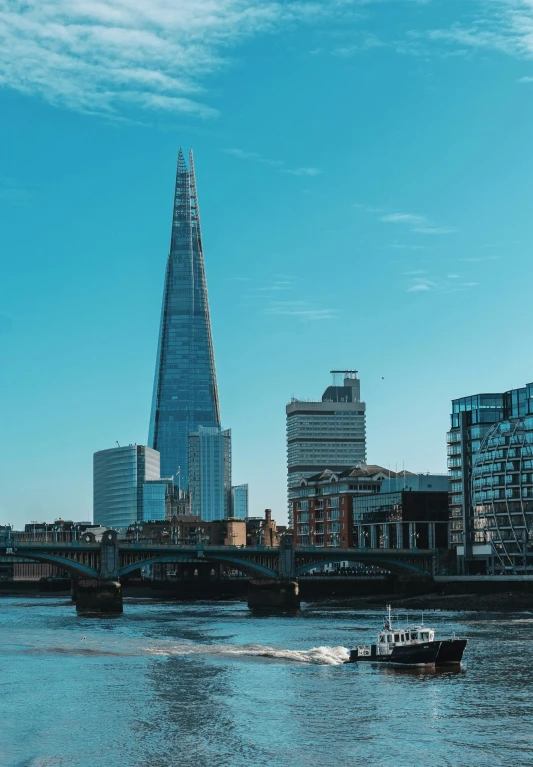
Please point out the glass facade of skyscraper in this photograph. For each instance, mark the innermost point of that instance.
(239, 501)
(118, 478)
(185, 388)
(490, 460)
(210, 473)
(156, 495)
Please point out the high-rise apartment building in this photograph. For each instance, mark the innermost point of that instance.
(239, 501)
(326, 434)
(185, 393)
(127, 486)
(490, 463)
(210, 473)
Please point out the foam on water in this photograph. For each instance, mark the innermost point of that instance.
(326, 656)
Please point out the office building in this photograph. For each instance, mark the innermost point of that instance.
(127, 487)
(210, 473)
(490, 463)
(328, 434)
(185, 395)
(239, 501)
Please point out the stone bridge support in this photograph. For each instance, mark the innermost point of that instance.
(103, 594)
(281, 593)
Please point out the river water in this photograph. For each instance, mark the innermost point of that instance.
(210, 685)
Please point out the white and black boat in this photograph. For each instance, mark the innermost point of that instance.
(414, 646)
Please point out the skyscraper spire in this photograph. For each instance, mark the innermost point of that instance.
(185, 387)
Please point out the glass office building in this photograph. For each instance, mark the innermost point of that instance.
(239, 501)
(490, 461)
(120, 476)
(185, 393)
(157, 496)
(210, 473)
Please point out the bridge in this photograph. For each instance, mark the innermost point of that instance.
(110, 559)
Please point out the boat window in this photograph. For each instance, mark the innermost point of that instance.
(424, 636)
(390, 637)
(402, 637)
(414, 635)
(382, 638)
(407, 636)
(396, 637)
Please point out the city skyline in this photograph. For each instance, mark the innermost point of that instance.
(365, 200)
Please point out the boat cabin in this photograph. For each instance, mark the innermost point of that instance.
(392, 637)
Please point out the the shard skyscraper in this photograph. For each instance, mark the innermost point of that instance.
(185, 388)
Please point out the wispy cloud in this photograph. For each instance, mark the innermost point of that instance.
(107, 56)
(434, 230)
(303, 171)
(447, 284)
(242, 154)
(403, 218)
(15, 192)
(505, 26)
(418, 223)
(276, 286)
(300, 309)
(272, 302)
(364, 42)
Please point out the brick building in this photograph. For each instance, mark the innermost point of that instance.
(369, 506)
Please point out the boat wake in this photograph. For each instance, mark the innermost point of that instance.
(324, 656)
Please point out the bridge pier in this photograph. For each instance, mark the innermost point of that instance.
(273, 594)
(96, 596)
(281, 593)
(103, 594)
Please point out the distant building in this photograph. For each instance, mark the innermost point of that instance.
(127, 487)
(157, 496)
(262, 531)
(490, 463)
(180, 503)
(326, 434)
(210, 473)
(401, 519)
(239, 501)
(366, 506)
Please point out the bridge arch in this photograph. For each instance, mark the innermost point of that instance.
(367, 559)
(240, 563)
(73, 567)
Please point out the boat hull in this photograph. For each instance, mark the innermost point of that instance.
(450, 652)
(405, 655)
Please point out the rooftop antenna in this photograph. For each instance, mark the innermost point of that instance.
(117, 442)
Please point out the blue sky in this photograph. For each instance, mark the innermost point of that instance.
(364, 172)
